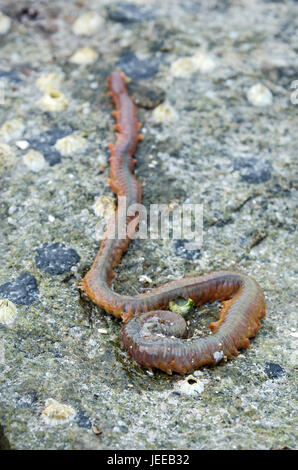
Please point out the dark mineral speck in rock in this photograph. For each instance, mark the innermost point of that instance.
(22, 291)
(56, 258)
(28, 12)
(136, 68)
(181, 250)
(82, 420)
(45, 144)
(273, 370)
(253, 170)
(127, 13)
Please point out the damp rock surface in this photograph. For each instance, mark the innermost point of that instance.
(214, 86)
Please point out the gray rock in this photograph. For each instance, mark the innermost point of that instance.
(57, 348)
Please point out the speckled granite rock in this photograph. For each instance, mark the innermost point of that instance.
(65, 383)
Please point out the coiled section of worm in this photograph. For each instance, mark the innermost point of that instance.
(152, 335)
(158, 339)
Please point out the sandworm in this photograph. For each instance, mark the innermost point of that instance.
(152, 335)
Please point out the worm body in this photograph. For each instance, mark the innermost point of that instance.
(154, 336)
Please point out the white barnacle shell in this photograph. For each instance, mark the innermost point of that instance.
(84, 56)
(104, 206)
(34, 160)
(8, 312)
(185, 66)
(164, 113)
(190, 385)
(12, 129)
(70, 145)
(259, 95)
(57, 413)
(87, 24)
(53, 100)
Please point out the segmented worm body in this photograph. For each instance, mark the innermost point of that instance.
(154, 336)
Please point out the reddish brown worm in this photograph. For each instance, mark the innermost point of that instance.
(152, 335)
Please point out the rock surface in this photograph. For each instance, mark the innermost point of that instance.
(222, 151)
